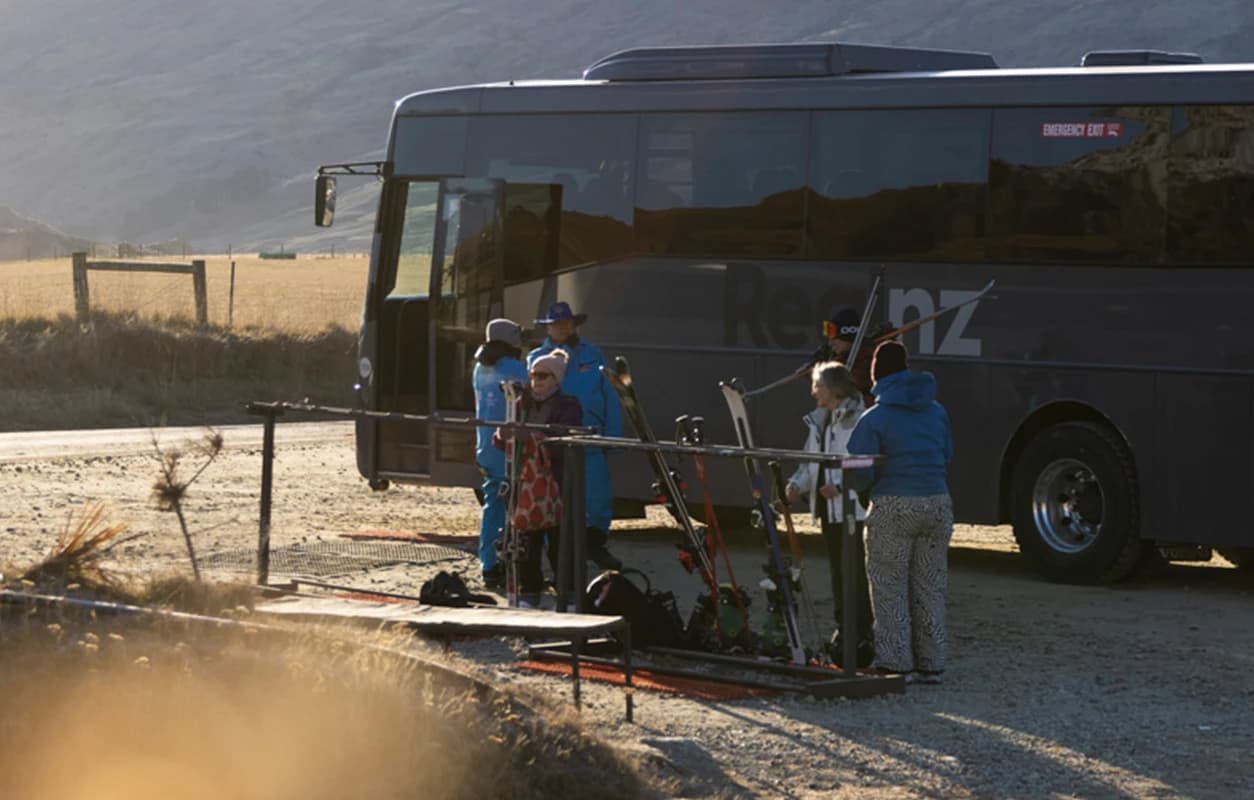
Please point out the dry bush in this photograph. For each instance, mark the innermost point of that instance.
(181, 593)
(120, 709)
(75, 559)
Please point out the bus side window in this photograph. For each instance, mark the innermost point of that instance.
(567, 181)
(898, 184)
(704, 180)
(1210, 185)
(1078, 184)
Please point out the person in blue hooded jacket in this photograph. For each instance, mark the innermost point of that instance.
(496, 361)
(601, 410)
(910, 519)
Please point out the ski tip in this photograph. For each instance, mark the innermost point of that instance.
(734, 384)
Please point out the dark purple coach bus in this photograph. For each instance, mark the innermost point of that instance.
(707, 206)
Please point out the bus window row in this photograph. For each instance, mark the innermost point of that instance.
(1140, 184)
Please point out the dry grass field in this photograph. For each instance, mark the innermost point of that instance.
(276, 713)
(300, 296)
(290, 334)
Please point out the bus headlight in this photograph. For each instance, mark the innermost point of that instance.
(364, 368)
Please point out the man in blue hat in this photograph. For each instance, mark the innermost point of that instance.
(601, 410)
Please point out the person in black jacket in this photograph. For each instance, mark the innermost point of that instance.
(540, 474)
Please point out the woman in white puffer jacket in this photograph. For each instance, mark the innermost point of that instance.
(839, 405)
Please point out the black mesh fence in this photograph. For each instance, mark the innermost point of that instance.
(336, 557)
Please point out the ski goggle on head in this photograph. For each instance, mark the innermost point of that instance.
(833, 331)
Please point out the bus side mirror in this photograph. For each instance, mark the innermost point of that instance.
(324, 201)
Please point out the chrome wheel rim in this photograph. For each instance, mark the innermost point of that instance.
(1068, 506)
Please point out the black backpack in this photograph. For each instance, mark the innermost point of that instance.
(653, 616)
(447, 589)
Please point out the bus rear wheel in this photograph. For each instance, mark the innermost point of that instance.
(1074, 505)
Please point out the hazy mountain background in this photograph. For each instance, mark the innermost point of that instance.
(158, 120)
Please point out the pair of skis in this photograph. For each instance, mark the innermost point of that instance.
(696, 554)
(785, 576)
(511, 542)
(666, 482)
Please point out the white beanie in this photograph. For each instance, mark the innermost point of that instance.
(554, 362)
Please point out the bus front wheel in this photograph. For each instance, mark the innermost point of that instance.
(1074, 505)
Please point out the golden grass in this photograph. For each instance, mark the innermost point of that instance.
(304, 295)
(124, 371)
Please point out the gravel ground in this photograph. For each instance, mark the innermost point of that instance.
(1141, 690)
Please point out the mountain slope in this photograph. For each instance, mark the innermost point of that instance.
(160, 119)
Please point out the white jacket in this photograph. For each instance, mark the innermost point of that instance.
(836, 442)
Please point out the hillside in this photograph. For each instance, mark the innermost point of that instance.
(149, 120)
(23, 238)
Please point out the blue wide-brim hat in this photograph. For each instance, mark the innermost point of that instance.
(560, 311)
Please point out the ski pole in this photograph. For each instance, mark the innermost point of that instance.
(694, 434)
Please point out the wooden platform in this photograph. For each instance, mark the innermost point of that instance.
(487, 620)
(445, 620)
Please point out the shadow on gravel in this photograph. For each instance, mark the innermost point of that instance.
(1222, 579)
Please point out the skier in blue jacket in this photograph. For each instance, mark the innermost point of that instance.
(496, 361)
(601, 410)
(910, 519)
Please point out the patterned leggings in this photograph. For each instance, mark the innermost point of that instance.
(907, 544)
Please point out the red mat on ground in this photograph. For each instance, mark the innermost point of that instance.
(647, 679)
(371, 598)
(412, 536)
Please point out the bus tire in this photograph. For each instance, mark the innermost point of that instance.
(379, 484)
(1075, 505)
(1240, 557)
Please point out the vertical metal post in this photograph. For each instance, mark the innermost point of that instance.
(579, 526)
(575, 651)
(82, 301)
(271, 411)
(627, 687)
(566, 535)
(572, 551)
(848, 578)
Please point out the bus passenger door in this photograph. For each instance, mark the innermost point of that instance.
(467, 290)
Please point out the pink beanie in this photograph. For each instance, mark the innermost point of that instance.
(554, 362)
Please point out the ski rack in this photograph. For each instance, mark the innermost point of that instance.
(846, 682)
(849, 682)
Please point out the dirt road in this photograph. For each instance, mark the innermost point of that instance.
(1140, 690)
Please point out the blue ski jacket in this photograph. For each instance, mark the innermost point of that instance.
(911, 430)
(494, 362)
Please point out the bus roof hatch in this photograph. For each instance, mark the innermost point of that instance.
(1136, 58)
(736, 62)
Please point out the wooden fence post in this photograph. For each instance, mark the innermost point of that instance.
(198, 285)
(230, 303)
(82, 301)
